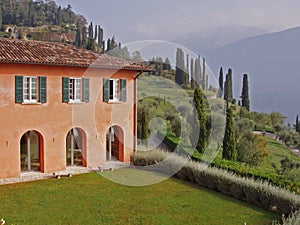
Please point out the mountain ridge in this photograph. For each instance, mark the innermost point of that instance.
(271, 62)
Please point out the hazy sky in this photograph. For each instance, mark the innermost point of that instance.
(134, 20)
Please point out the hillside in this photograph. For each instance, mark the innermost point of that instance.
(271, 61)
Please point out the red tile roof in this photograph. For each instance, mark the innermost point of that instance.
(48, 53)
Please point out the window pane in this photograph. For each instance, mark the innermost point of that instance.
(111, 89)
(78, 89)
(71, 91)
(117, 90)
(26, 88)
(34, 88)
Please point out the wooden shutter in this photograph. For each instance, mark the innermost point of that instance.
(43, 89)
(105, 90)
(86, 89)
(19, 89)
(124, 83)
(65, 95)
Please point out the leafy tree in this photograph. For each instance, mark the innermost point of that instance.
(167, 64)
(200, 115)
(251, 149)
(221, 83)
(245, 93)
(229, 142)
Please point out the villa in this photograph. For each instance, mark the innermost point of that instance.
(64, 106)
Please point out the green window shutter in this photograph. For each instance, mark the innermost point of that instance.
(43, 89)
(65, 95)
(86, 89)
(105, 90)
(19, 89)
(124, 83)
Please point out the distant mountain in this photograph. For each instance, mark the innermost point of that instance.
(272, 63)
(202, 41)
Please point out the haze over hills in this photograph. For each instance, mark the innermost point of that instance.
(272, 63)
(203, 41)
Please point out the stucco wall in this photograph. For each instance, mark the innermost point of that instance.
(54, 119)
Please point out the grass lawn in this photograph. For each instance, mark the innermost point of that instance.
(92, 199)
(278, 152)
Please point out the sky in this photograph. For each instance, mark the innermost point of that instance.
(136, 20)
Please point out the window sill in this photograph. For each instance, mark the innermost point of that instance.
(31, 103)
(76, 103)
(114, 102)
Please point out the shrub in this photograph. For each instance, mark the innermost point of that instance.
(257, 192)
(292, 219)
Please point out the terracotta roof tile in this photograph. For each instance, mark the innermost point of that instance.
(50, 53)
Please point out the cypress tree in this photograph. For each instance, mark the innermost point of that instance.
(91, 30)
(179, 74)
(228, 96)
(229, 141)
(204, 75)
(297, 126)
(100, 38)
(84, 36)
(108, 45)
(198, 75)
(221, 83)
(78, 37)
(200, 115)
(245, 93)
(193, 79)
(96, 32)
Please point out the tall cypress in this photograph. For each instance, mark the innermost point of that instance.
(297, 126)
(221, 83)
(228, 96)
(78, 36)
(193, 79)
(179, 74)
(84, 37)
(245, 93)
(200, 115)
(204, 75)
(229, 141)
(96, 32)
(198, 76)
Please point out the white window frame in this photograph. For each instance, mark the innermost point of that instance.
(75, 90)
(114, 95)
(28, 89)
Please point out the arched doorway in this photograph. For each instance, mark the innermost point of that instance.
(76, 147)
(31, 145)
(115, 144)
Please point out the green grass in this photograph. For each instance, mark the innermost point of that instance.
(92, 199)
(277, 152)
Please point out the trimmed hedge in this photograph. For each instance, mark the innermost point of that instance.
(242, 169)
(256, 173)
(253, 191)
